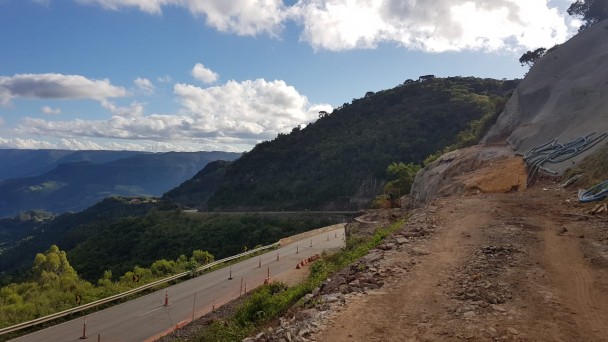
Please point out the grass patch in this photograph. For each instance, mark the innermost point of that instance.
(271, 301)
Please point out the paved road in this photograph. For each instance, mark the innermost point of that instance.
(146, 317)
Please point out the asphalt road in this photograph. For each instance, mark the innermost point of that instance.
(146, 317)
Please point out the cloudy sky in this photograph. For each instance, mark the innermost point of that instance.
(187, 75)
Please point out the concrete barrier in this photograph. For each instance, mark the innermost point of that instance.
(289, 240)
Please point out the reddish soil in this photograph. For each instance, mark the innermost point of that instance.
(522, 266)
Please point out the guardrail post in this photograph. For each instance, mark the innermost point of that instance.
(277, 256)
(84, 329)
(245, 287)
(98, 337)
(310, 242)
(336, 234)
(241, 290)
(297, 249)
(327, 237)
(213, 307)
(230, 276)
(166, 298)
(260, 263)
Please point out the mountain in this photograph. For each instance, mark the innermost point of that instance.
(28, 163)
(196, 191)
(77, 185)
(340, 161)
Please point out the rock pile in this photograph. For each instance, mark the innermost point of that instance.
(477, 284)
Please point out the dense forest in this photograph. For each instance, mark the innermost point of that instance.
(121, 233)
(340, 161)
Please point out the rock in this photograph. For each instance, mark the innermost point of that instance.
(306, 314)
(344, 289)
(492, 332)
(330, 299)
(512, 331)
(419, 251)
(468, 315)
(401, 240)
(498, 308)
(259, 336)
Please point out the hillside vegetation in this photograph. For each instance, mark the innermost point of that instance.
(340, 161)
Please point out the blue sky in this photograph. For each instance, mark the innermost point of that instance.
(188, 75)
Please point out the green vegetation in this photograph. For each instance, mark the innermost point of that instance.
(139, 241)
(55, 286)
(121, 233)
(330, 162)
(270, 301)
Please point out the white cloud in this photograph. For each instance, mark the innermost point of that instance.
(432, 26)
(243, 17)
(442, 25)
(234, 116)
(203, 74)
(56, 86)
(250, 107)
(145, 85)
(1, 121)
(24, 143)
(133, 110)
(50, 111)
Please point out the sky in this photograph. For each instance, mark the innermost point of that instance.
(224, 75)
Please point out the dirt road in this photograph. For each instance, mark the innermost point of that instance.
(529, 266)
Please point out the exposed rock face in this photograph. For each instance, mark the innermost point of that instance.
(564, 95)
(488, 169)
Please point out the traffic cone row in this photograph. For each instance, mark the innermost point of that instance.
(306, 261)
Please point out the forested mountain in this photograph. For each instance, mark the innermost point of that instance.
(340, 161)
(75, 186)
(119, 233)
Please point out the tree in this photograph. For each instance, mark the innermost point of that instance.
(530, 57)
(591, 11)
(404, 173)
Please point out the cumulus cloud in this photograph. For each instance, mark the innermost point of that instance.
(437, 26)
(236, 115)
(251, 107)
(243, 17)
(145, 85)
(25, 143)
(56, 86)
(50, 111)
(203, 74)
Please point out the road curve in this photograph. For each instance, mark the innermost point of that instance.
(145, 318)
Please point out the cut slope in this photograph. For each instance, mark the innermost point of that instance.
(563, 96)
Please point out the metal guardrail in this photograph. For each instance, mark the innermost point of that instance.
(102, 301)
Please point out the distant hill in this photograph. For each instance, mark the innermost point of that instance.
(15, 163)
(340, 161)
(77, 185)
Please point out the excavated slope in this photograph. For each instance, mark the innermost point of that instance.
(564, 96)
